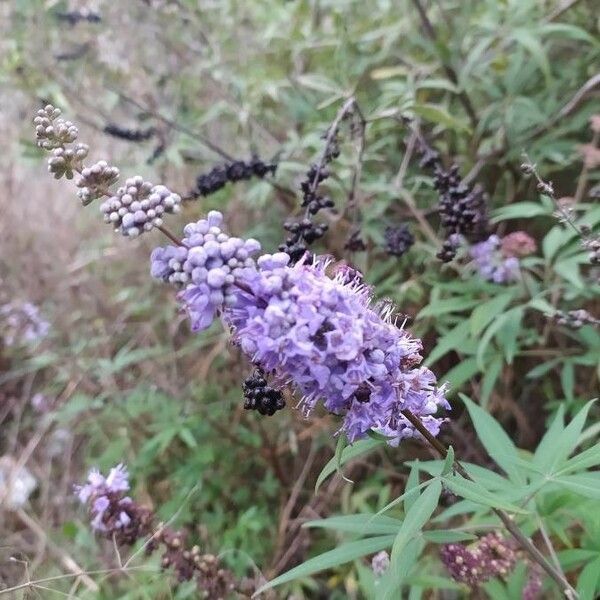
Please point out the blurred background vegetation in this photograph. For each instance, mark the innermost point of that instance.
(120, 377)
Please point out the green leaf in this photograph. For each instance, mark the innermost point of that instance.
(489, 334)
(519, 210)
(449, 341)
(448, 462)
(344, 553)
(490, 376)
(530, 41)
(495, 440)
(412, 483)
(562, 442)
(543, 453)
(434, 582)
(365, 524)
(349, 452)
(488, 311)
(584, 484)
(415, 519)
(587, 583)
(471, 490)
(438, 114)
(586, 459)
(409, 495)
(390, 583)
(461, 372)
(507, 336)
(449, 305)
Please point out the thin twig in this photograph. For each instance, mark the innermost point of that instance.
(545, 187)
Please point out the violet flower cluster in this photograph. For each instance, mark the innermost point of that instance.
(207, 265)
(112, 512)
(321, 335)
(318, 333)
(22, 324)
(116, 516)
(492, 264)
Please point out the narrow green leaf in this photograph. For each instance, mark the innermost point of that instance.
(471, 490)
(448, 462)
(565, 443)
(449, 341)
(542, 458)
(495, 440)
(483, 314)
(519, 210)
(415, 519)
(587, 583)
(449, 305)
(437, 114)
(412, 483)
(390, 584)
(365, 524)
(584, 484)
(587, 459)
(333, 558)
(349, 452)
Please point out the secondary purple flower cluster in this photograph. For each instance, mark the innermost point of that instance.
(491, 556)
(116, 516)
(22, 324)
(207, 265)
(492, 264)
(321, 335)
(112, 512)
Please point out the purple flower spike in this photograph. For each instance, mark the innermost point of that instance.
(111, 512)
(322, 335)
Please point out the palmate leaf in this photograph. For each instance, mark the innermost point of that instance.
(344, 553)
(560, 441)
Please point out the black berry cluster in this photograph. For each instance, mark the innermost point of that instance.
(398, 240)
(73, 17)
(221, 175)
(258, 395)
(302, 234)
(462, 208)
(130, 135)
(306, 232)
